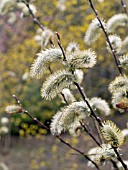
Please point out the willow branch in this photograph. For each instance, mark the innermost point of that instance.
(26, 112)
(107, 37)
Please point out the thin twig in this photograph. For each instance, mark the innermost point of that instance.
(35, 20)
(26, 112)
(60, 45)
(86, 130)
(82, 153)
(125, 7)
(107, 37)
(64, 98)
(120, 159)
(98, 131)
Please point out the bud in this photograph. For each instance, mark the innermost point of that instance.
(12, 109)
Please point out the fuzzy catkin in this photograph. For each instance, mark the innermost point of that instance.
(13, 109)
(105, 152)
(56, 83)
(115, 42)
(119, 20)
(93, 31)
(43, 61)
(82, 59)
(120, 84)
(100, 105)
(68, 119)
(112, 133)
(72, 47)
(124, 61)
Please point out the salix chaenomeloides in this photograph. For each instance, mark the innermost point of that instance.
(69, 97)
(72, 118)
(124, 47)
(7, 6)
(13, 109)
(72, 47)
(44, 37)
(24, 9)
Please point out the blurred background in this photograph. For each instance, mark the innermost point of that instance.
(24, 145)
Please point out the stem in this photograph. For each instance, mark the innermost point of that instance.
(26, 112)
(35, 20)
(36, 120)
(60, 45)
(86, 130)
(107, 38)
(85, 99)
(120, 159)
(64, 98)
(124, 6)
(82, 153)
(114, 164)
(50, 70)
(98, 131)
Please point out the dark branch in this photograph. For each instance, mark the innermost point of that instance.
(82, 153)
(107, 37)
(35, 20)
(60, 45)
(120, 159)
(85, 99)
(86, 130)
